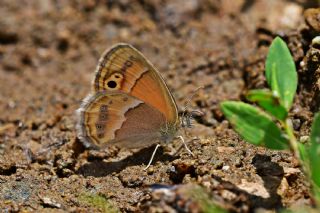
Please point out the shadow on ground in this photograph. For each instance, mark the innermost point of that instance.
(99, 168)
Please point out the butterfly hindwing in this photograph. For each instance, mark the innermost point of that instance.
(117, 118)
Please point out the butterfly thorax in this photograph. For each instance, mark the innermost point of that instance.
(169, 131)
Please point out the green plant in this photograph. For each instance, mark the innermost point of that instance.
(269, 125)
(99, 202)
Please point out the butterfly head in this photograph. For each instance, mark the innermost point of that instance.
(187, 118)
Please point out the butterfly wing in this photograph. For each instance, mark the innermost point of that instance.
(123, 68)
(108, 118)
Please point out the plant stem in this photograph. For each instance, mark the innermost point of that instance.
(287, 125)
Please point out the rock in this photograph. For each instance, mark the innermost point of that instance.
(283, 188)
(316, 41)
(226, 194)
(253, 188)
(46, 201)
(312, 18)
(225, 168)
(291, 15)
(178, 198)
(304, 138)
(291, 172)
(226, 150)
(181, 169)
(131, 180)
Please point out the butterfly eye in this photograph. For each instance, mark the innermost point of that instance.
(114, 81)
(112, 84)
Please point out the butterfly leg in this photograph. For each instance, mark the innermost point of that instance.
(185, 145)
(152, 156)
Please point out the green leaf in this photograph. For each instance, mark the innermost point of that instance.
(266, 99)
(254, 125)
(281, 72)
(314, 151)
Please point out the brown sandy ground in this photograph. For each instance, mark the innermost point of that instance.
(48, 53)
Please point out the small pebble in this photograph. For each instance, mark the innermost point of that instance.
(50, 202)
(304, 139)
(225, 168)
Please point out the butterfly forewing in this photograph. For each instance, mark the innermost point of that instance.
(125, 69)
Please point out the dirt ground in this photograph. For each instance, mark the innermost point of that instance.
(48, 54)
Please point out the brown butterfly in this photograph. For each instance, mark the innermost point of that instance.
(130, 106)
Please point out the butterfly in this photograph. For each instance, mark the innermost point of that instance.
(130, 105)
